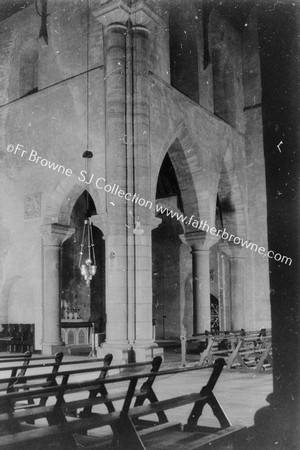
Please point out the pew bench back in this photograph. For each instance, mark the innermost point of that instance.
(130, 430)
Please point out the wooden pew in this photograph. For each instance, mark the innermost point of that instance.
(250, 350)
(208, 346)
(17, 379)
(42, 395)
(18, 370)
(124, 422)
(36, 379)
(249, 355)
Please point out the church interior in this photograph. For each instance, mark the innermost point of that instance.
(110, 108)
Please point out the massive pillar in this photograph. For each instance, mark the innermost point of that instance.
(278, 425)
(141, 177)
(53, 237)
(128, 255)
(116, 250)
(200, 243)
(237, 287)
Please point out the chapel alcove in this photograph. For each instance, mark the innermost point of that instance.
(82, 304)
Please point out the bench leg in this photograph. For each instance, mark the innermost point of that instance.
(218, 411)
(198, 409)
(150, 395)
(87, 411)
(264, 356)
(125, 435)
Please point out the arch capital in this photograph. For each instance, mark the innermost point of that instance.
(54, 234)
(199, 240)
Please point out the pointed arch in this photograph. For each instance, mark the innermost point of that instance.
(190, 171)
(61, 201)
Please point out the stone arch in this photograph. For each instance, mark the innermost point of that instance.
(62, 199)
(231, 198)
(190, 171)
(88, 298)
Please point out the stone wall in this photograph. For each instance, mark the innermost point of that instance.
(210, 155)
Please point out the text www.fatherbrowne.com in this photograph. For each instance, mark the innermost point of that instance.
(100, 184)
(203, 226)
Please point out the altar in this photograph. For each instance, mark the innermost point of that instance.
(76, 332)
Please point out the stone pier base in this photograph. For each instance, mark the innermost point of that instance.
(130, 353)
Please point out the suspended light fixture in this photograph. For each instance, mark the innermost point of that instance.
(89, 268)
(87, 246)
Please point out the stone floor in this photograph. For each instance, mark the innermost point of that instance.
(240, 394)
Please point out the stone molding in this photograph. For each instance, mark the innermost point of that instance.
(155, 222)
(237, 252)
(100, 221)
(199, 240)
(54, 234)
(120, 11)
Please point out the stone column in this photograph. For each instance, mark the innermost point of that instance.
(116, 148)
(226, 283)
(128, 257)
(5, 242)
(278, 425)
(200, 243)
(53, 237)
(237, 287)
(141, 178)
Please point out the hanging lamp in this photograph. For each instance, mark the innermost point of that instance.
(87, 247)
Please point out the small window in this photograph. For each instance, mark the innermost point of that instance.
(28, 79)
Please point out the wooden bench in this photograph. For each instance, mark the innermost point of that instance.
(34, 381)
(209, 345)
(18, 370)
(251, 354)
(250, 350)
(36, 393)
(129, 428)
(17, 377)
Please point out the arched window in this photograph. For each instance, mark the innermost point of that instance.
(28, 74)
